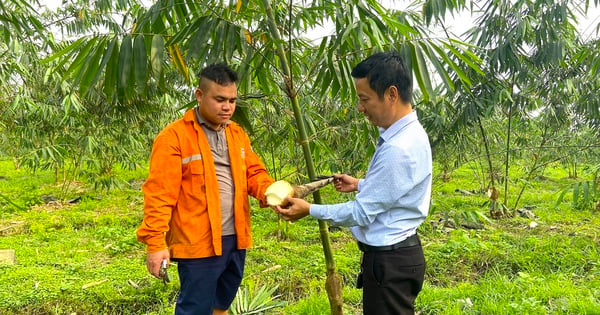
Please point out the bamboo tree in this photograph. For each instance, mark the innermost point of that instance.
(333, 284)
(509, 117)
(487, 152)
(184, 35)
(533, 59)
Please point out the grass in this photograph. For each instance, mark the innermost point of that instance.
(81, 257)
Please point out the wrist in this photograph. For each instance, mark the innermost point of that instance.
(357, 185)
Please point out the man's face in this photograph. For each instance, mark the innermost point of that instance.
(376, 109)
(217, 102)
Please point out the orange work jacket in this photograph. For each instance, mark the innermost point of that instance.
(182, 210)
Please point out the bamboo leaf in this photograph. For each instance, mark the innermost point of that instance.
(140, 64)
(112, 71)
(105, 59)
(457, 69)
(76, 45)
(463, 57)
(376, 34)
(177, 59)
(248, 36)
(125, 68)
(93, 66)
(575, 194)
(420, 71)
(586, 192)
(241, 117)
(79, 60)
(428, 11)
(445, 77)
(157, 55)
(232, 37)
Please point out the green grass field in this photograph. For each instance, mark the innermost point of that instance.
(76, 253)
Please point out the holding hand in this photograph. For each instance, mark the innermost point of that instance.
(345, 183)
(295, 209)
(154, 261)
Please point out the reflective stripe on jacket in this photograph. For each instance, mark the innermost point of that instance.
(182, 210)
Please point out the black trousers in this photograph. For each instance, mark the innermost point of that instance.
(392, 280)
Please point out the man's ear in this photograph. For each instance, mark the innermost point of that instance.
(198, 94)
(393, 94)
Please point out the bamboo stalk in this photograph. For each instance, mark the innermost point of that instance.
(333, 284)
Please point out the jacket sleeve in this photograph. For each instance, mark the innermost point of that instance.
(258, 177)
(161, 191)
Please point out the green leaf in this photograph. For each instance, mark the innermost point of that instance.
(105, 59)
(77, 64)
(75, 46)
(140, 64)
(92, 67)
(199, 38)
(112, 71)
(445, 77)
(586, 192)
(232, 36)
(241, 117)
(461, 74)
(124, 87)
(420, 70)
(157, 55)
(575, 194)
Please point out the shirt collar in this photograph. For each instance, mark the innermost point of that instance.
(391, 131)
(202, 121)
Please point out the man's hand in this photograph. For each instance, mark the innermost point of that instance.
(295, 209)
(154, 260)
(345, 183)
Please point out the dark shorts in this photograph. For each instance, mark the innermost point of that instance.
(212, 282)
(392, 280)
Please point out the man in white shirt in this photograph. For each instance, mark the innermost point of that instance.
(394, 197)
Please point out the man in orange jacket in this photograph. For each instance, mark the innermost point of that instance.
(196, 209)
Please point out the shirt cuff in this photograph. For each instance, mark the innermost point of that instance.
(315, 211)
(360, 183)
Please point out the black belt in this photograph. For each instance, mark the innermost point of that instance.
(412, 240)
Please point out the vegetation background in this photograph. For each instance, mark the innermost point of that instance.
(511, 106)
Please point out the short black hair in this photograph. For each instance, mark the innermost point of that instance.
(383, 70)
(219, 73)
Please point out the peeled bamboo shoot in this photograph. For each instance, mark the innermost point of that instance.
(277, 192)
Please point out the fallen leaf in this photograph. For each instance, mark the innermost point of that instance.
(533, 225)
(91, 284)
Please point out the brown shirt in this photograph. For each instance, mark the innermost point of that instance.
(218, 146)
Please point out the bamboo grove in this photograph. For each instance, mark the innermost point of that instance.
(85, 87)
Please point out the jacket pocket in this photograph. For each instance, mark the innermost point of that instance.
(196, 169)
